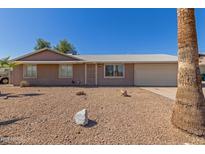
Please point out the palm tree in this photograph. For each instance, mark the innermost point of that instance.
(6, 63)
(65, 46)
(189, 109)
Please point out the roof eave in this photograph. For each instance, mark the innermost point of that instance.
(80, 62)
(131, 61)
(49, 62)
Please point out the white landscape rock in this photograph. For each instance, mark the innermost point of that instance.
(81, 117)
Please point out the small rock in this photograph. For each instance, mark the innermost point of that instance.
(124, 93)
(81, 117)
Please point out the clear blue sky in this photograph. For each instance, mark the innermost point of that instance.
(94, 31)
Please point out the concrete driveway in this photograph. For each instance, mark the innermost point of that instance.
(169, 92)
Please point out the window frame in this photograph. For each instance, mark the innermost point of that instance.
(114, 65)
(25, 71)
(59, 70)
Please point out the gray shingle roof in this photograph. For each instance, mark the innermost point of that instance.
(147, 58)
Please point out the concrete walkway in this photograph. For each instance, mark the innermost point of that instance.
(169, 92)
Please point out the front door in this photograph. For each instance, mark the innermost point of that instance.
(91, 74)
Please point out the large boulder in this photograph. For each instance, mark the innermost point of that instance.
(81, 117)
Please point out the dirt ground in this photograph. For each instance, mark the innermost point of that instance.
(44, 115)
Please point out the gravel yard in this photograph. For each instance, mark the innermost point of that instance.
(44, 115)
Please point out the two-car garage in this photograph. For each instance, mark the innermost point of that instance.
(155, 74)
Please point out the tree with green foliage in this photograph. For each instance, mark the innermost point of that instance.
(65, 46)
(6, 63)
(41, 43)
(5, 67)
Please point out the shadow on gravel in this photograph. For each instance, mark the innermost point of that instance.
(11, 121)
(91, 123)
(4, 94)
(10, 95)
(128, 96)
(31, 94)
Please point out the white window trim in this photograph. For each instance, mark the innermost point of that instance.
(60, 77)
(112, 77)
(24, 72)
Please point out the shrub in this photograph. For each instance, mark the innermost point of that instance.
(24, 83)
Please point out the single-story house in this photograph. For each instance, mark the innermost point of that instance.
(47, 67)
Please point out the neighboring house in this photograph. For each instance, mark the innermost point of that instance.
(47, 67)
(202, 63)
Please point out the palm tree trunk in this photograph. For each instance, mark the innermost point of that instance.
(189, 109)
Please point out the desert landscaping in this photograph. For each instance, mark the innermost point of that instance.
(44, 115)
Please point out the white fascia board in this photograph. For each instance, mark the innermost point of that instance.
(137, 62)
(94, 62)
(49, 62)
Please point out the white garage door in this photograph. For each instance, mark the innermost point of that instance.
(155, 74)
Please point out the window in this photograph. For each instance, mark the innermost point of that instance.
(114, 70)
(65, 71)
(30, 71)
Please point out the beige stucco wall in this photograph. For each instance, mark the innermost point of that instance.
(48, 75)
(127, 80)
(17, 75)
